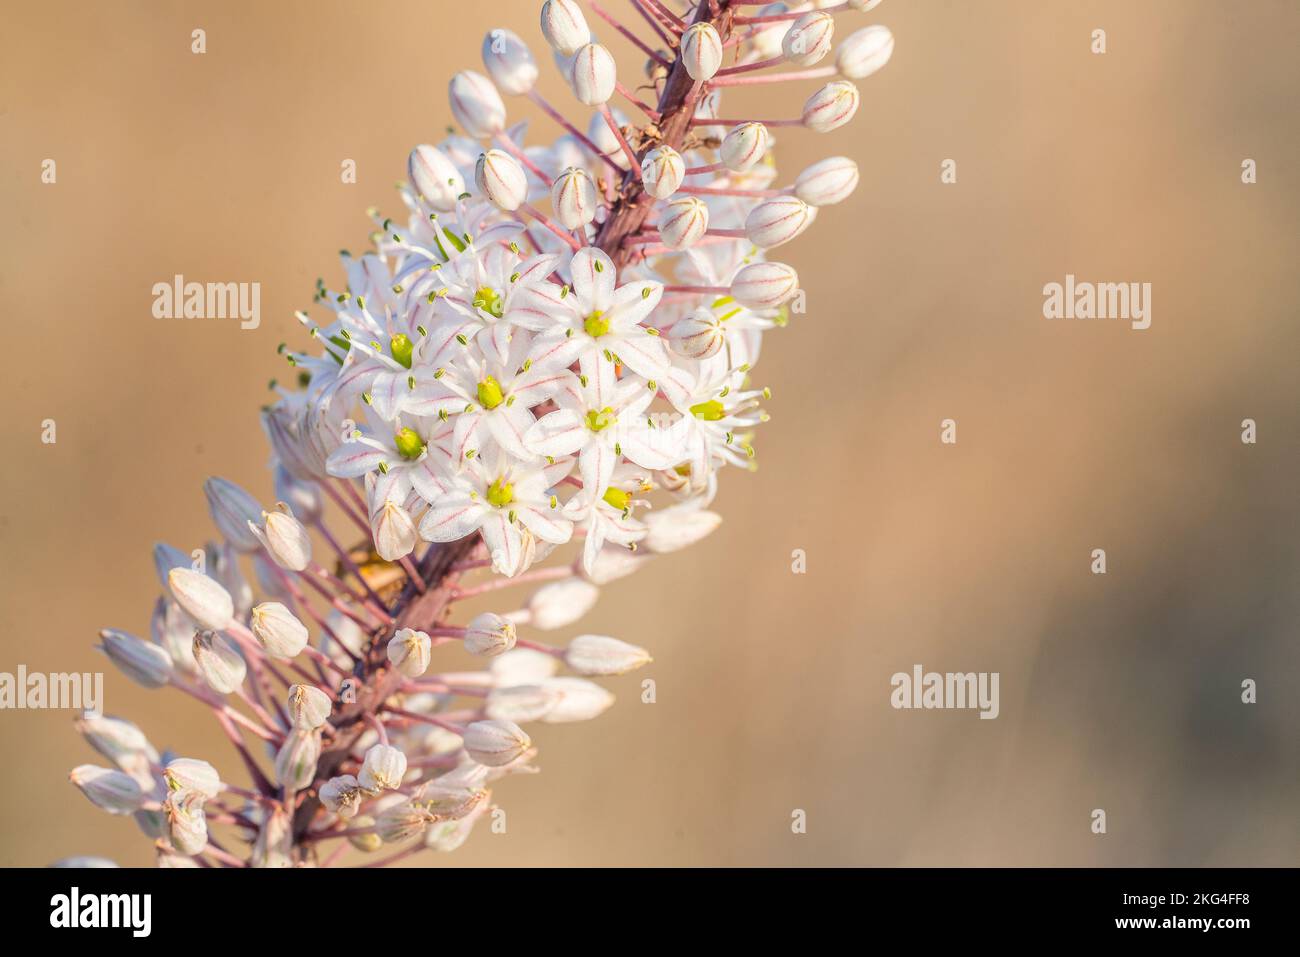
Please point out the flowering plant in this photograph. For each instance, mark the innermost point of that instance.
(495, 381)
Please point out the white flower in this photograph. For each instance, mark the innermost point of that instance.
(409, 651)
(602, 655)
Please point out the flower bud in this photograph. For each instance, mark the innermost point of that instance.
(173, 631)
(598, 132)
(84, 863)
(765, 43)
(676, 528)
(204, 600)
(865, 52)
(809, 39)
(601, 655)
(223, 567)
(579, 700)
(394, 531)
(165, 558)
(495, 743)
(476, 104)
(831, 107)
(702, 51)
(520, 703)
(683, 222)
(522, 666)
(120, 741)
(111, 791)
(765, 285)
(435, 177)
(449, 803)
(564, 26)
(829, 182)
(573, 197)
(778, 220)
(447, 836)
(593, 75)
(309, 707)
(662, 171)
(612, 563)
(281, 633)
(489, 635)
(303, 497)
(187, 825)
(409, 651)
(144, 663)
(382, 769)
(561, 603)
(295, 762)
(402, 822)
(191, 774)
(165, 857)
(342, 795)
(284, 537)
(274, 844)
(232, 509)
(364, 842)
(219, 663)
(744, 146)
(509, 62)
(862, 6)
(501, 178)
(697, 336)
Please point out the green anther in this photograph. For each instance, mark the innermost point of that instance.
(500, 494)
(361, 301)
(512, 516)
(422, 331)
(409, 444)
(383, 468)
(710, 411)
(596, 324)
(410, 382)
(454, 240)
(489, 393)
(555, 501)
(645, 293)
(724, 318)
(599, 421)
(618, 498)
(514, 247)
(367, 398)
(600, 266)
(490, 301)
(402, 349)
(724, 301)
(514, 277)
(461, 339)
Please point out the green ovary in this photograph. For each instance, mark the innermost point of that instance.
(596, 324)
(489, 393)
(402, 349)
(618, 498)
(409, 444)
(600, 420)
(500, 493)
(710, 411)
(489, 300)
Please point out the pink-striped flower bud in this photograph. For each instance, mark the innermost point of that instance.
(509, 62)
(573, 198)
(809, 38)
(829, 182)
(557, 604)
(204, 600)
(342, 795)
(564, 26)
(702, 51)
(295, 762)
(489, 635)
(284, 537)
(435, 177)
(662, 171)
(864, 52)
(143, 662)
(279, 630)
(602, 655)
(401, 822)
(409, 651)
(778, 220)
(309, 707)
(683, 222)
(764, 42)
(476, 104)
(744, 146)
(109, 790)
(501, 178)
(593, 75)
(495, 743)
(764, 285)
(232, 509)
(831, 107)
(218, 661)
(394, 531)
(191, 774)
(697, 336)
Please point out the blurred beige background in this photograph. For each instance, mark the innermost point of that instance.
(1118, 692)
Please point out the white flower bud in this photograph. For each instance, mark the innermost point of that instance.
(122, 743)
(394, 531)
(187, 825)
(476, 104)
(402, 822)
(281, 633)
(676, 528)
(809, 39)
(831, 107)
(165, 558)
(744, 146)
(764, 42)
(495, 743)
(698, 335)
(574, 199)
(274, 844)
(564, 26)
(598, 132)
(662, 171)
(410, 651)
(342, 795)
(489, 635)
(863, 6)
(594, 74)
(829, 182)
(522, 666)
(223, 567)
(509, 62)
(303, 497)
(579, 700)
(765, 285)
(309, 707)
(778, 220)
(447, 836)
(435, 177)
(295, 762)
(382, 769)
(152, 824)
(864, 52)
(232, 509)
(612, 563)
(144, 663)
(191, 774)
(520, 703)
(284, 537)
(172, 630)
(561, 603)
(204, 600)
(111, 791)
(601, 655)
(219, 663)
(364, 842)
(683, 222)
(84, 863)
(501, 178)
(702, 50)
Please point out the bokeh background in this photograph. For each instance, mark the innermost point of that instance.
(1119, 692)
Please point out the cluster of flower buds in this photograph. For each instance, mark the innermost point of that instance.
(548, 355)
